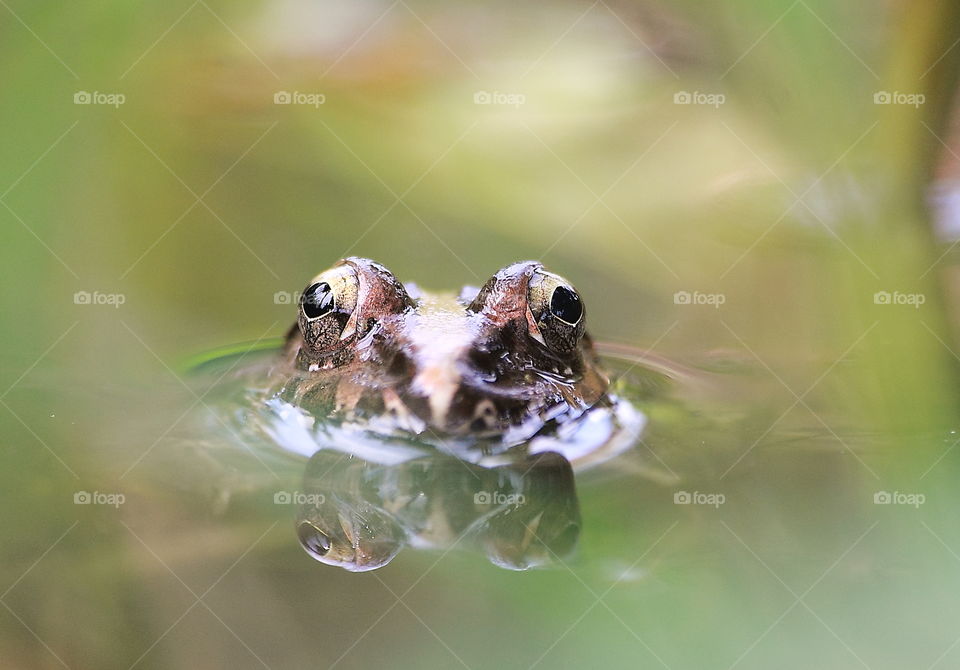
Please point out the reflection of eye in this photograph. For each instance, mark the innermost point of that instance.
(566, 305)
(317, 300)
(313, 539)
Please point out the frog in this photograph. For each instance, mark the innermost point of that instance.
(511, 355)
(424, 416)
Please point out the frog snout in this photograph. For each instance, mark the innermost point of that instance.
(437, 382)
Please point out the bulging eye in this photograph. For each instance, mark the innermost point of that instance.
(557, 311)
(327, 307)
(565, 304)
(318, 300)
(341, 306)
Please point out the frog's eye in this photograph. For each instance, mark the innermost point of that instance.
(314, 540)
(565, 304)
(343, 305)
(318, 300)
(326, 308)
(557, 311)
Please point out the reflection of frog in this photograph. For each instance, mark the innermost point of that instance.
(513, 352)
(359, 514)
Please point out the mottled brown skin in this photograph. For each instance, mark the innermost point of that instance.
(367, 346)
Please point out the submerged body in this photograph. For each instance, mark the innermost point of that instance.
(512, 353)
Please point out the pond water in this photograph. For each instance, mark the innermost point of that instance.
(737, 531)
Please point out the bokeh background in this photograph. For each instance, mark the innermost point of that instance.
(788, 166)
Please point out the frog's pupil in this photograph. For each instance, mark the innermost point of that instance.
(317, 300)
(566, 305)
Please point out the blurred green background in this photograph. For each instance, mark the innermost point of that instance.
(776, 156)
